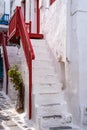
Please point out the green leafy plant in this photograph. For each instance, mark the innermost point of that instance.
(15, 77)
(16, 80)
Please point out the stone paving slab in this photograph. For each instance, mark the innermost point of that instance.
(9, 118)
(10, 123)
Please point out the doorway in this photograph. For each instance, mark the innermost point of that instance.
(35, 17)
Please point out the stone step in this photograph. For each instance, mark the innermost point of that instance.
(37, 43)
(56, 121)
(62, 128)
(43, 60)
(45, 80)
(40, 46)
(49, 98)
(37, 88)
(50, 82)
(50, 110)
(44, 74)
(42, 56)
(42, 63)
(43, 67)
(42, 71)
(40, 50)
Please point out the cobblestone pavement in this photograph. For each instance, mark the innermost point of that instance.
(9, 118)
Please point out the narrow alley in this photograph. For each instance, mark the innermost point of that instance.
(9, 118)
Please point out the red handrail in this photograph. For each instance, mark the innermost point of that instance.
(51, 1)
(12, 23)
(20, 30)
(3, 43)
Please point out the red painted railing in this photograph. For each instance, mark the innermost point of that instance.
(51, 2)
(19, 29)
(13, 24)
(3, 43)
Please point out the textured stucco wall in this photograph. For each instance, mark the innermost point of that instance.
(77, 66)
(81, 16)
(53, 25)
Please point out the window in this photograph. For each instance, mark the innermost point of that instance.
(51, 1)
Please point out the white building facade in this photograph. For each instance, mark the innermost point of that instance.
(63, 24)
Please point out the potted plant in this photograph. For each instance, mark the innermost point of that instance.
(16, 80)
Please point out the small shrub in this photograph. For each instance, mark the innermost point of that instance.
(16, 80)
(15, 77)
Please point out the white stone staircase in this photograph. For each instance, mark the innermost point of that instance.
(49, 105)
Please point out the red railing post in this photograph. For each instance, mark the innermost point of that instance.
(3, 43)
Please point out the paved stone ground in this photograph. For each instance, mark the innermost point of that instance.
(9, 118)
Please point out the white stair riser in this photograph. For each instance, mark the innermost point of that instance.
(46, 77)
(45, 99)
(41, 63)
(44, 89)
(45, 80)
(44, 83)
(44, 67)
(53, 122)
(51, 110)
(43, 72)
(59, 128)
(39, 49)
(42, 56)
(39, 42)
(41, 52)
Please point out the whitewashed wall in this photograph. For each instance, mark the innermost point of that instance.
(14, 57)
(25, 76)
(15, 3)
(81, 16)
(1, 8)
(53, 26)
(77, 65)
(72, 65)
(7, 7)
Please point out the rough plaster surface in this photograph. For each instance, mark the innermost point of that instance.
(77, 67)
(53, 25)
